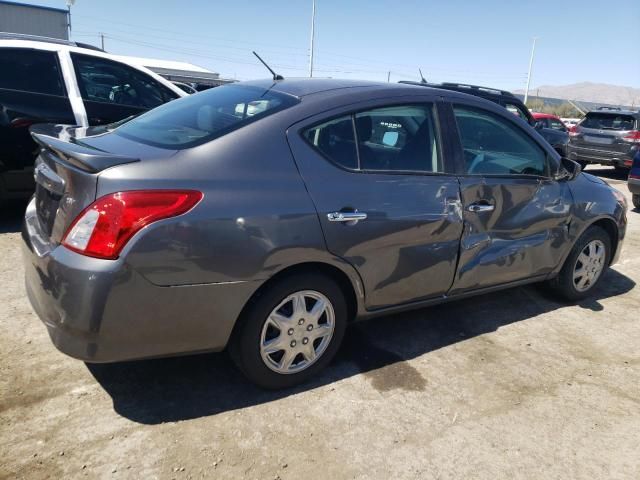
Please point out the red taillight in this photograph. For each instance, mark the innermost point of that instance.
(105, 226)
(574, 131)
(632, 137)
(21, 122)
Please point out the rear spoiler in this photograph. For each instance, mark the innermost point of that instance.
(85, 158)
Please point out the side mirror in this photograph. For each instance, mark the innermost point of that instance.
(538, 125)
(568, 170)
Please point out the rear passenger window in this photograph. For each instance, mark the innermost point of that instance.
(391, 139)
(32, 71)
(336, 140)
(399, 138)
(493, 145)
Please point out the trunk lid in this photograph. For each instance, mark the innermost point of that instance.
(66, 175)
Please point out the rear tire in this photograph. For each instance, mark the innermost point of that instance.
(281, 340)
(636, 200)
(622, 170)
(584, 267)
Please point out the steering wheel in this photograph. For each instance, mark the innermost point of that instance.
(476, 163)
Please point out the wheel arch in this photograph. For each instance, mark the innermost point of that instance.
(350, 286)
(610, 226)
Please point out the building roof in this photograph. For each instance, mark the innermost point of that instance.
(39, 7)
(167, 64)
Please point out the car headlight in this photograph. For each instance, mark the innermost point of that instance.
(622, 200)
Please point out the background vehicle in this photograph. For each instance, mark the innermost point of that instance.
(556, 138)
(634, 180)
(606, 136)
(570, 122)
(326, 201)
(553, 130)
(185, 87)
(56, 81)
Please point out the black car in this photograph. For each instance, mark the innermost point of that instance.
(556, 138)
(608, 136)
(45, 80)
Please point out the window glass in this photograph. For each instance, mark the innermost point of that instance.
(102, 80)
(336, 140)
(30, 71)
(401, 138)
(200, 118)
(556, 125)
(493, 145)
(517, 111)
(608, 121)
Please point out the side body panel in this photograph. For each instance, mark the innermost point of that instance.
(526, 235)
(406, 250)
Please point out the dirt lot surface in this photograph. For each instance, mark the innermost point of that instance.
(508, 385)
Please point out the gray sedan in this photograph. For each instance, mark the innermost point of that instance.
(265, 216)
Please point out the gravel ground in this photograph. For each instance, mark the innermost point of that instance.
(507, 385)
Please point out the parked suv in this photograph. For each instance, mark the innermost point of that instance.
(204, 223)
(634, 181)
(608, 136)
(56, 81)
(557, 138)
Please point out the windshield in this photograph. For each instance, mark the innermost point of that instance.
(608, 121)
(202, 117)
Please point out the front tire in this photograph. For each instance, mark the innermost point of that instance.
(584, 267)
(291, 331)
(636, 200)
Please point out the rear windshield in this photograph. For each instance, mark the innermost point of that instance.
(608, 121)
(201, 117)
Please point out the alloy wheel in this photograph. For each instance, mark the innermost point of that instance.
(297, 332)
(589, 265)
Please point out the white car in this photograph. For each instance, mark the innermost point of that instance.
(44, 80)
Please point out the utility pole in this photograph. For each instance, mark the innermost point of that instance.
(533, 51)
(102, 40)
(313, 30)
(388, 76)
(69, 3)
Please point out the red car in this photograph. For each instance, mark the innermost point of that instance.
(550, 121)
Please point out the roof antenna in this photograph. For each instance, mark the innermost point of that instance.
(275, 75)
(422, 79)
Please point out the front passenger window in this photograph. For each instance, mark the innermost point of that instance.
(493, 145)
(102, 80)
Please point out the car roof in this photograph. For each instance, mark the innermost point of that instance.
(301, 87)
(475, 90)
(615, 111)
(538, 115)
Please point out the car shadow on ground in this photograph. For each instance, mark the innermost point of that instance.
(607, 172)
(182, 388)
(11, 215)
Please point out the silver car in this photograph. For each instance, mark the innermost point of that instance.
(265, 216)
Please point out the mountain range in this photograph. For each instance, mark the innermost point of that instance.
(590, 92)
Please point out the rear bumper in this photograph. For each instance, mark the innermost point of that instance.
(634, 185)
(604, 157)
(104, 311)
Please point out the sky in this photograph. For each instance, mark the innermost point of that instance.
(482, 42)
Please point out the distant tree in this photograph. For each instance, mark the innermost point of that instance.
(564, 110)
(535, 104)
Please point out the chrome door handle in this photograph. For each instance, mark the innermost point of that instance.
(354, 217)
(481, 207)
